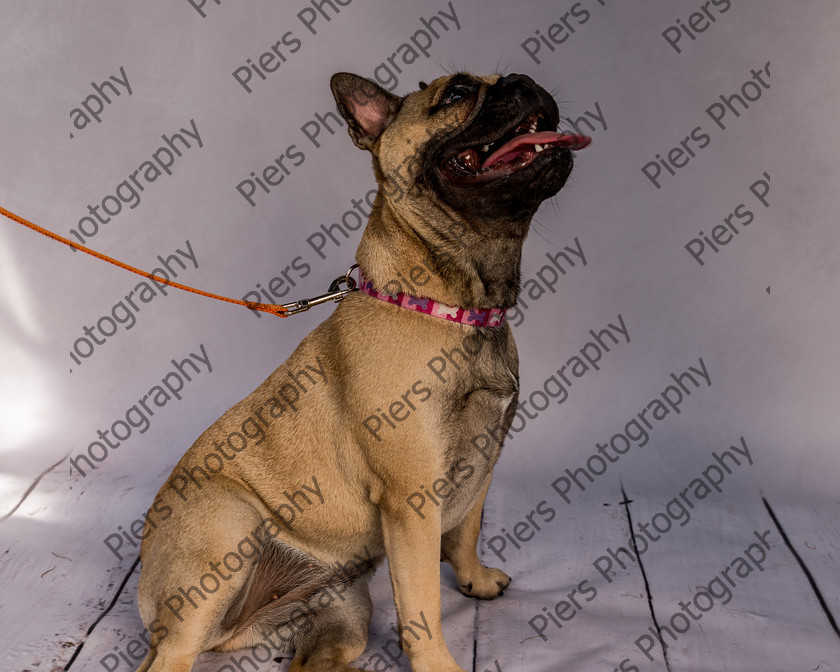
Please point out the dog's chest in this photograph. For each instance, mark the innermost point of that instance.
(478, 429)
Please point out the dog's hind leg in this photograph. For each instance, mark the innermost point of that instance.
(295, 602)
(324, 618)
(196, 570)
(338, 633)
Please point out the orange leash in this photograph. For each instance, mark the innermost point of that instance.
(264, 307)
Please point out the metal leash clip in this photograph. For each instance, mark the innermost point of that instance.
(335, 293)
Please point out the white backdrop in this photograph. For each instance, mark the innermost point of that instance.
(93, 93)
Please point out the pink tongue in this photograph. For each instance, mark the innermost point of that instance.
(569, 140)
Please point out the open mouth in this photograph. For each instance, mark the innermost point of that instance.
(531, 139)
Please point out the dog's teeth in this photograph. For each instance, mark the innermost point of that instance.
(486, 148)
(468, 160)
(539, 148)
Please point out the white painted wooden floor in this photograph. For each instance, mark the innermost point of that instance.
(66, 606)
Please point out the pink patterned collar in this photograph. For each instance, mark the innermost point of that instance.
(476, 317)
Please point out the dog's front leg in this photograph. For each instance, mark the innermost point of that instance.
(458, 548)
(412, 544)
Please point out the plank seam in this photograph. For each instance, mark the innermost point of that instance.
(662, 644)
(120, 589)
(803, 567)
(475, 639)
(477, 602)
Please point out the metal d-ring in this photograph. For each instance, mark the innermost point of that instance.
(347, 279)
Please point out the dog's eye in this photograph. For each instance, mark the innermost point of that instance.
(455, 93)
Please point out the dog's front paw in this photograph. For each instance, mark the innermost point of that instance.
(489, 584)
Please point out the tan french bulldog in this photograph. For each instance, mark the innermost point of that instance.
(378, 436)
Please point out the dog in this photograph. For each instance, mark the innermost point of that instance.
(378, 436)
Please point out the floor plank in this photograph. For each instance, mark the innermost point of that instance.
(749, 604)
(554, 572)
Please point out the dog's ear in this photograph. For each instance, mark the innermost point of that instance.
(367, 108)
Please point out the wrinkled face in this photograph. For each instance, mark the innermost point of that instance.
(485, 146)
